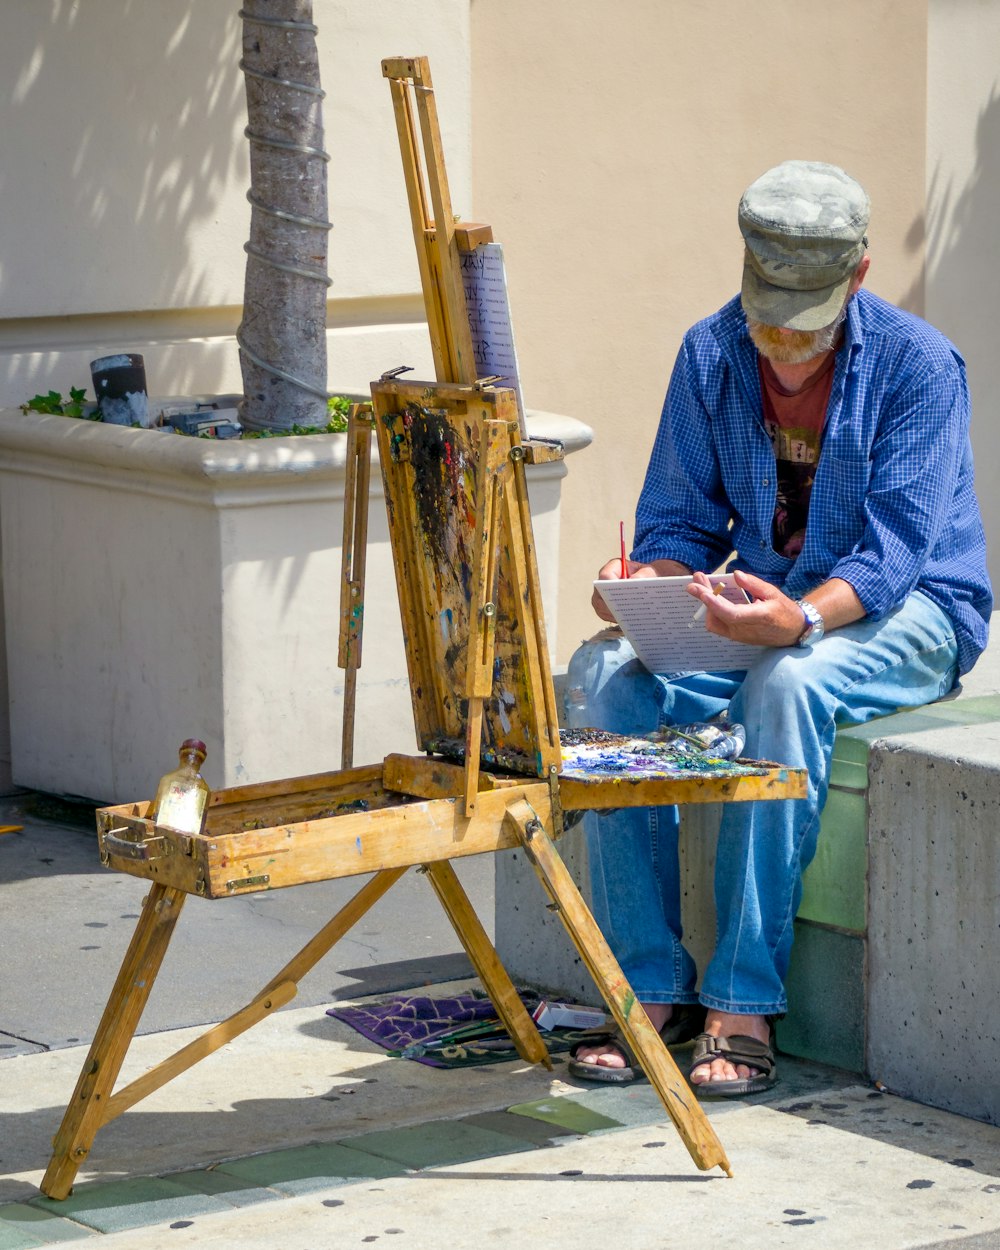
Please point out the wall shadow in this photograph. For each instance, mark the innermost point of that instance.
(129, 119)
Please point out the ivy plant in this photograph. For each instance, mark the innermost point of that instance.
(53, 402)
(337, 406)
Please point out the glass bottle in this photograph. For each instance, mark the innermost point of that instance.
(182, 795)
(590, 667)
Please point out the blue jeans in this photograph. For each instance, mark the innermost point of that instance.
(790, 701)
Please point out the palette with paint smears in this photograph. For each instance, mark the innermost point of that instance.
(597, 753)
(602, 770)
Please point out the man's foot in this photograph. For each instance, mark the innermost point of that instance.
(719, 1070)
(609, 1058)
(609, 1054)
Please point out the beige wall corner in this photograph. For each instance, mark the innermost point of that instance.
(612, 145)
(963, 191)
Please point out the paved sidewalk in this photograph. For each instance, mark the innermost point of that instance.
(301, 1134)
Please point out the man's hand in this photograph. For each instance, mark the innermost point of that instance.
(771, 619)
(612, 571)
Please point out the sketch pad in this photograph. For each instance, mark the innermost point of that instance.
(656, 614)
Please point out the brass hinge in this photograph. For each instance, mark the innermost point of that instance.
(245, 883)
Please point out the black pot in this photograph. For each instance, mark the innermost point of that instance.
(120, 388)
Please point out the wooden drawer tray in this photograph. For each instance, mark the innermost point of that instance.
(282, 833)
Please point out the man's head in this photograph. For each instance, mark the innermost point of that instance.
(804, 226)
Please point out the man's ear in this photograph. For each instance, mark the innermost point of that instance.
(860, 274)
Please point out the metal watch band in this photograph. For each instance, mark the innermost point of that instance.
(815, 627)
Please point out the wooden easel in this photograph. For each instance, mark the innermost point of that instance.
(485, 716)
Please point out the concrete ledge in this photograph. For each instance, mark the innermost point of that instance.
(934, 918)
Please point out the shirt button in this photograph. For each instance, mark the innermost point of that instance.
(766, 482)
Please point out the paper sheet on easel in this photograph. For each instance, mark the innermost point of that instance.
(657, 615)
(486, 298)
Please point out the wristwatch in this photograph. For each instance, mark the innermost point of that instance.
(815, 628)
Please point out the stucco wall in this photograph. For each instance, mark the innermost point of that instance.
(611, 144)
(963, 190)
(626, 134)
(124, 169)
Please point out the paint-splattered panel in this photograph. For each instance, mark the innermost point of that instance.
(451, 494)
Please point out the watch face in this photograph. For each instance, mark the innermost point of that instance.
(813, 631)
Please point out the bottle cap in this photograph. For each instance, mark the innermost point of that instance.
(193, 744)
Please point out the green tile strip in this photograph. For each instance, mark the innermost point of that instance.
(438, 1143)
(520, 1127)
(567, 1113)
(104, 1207)
(835, 883)
(854, 741)
(232, 1190)
(132, 1203)
(23, 1227)
(632, 1106)
(303, 1169)
(826, 1027)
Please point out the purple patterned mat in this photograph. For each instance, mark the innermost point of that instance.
(451, 1032)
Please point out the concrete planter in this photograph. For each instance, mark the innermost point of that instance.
(157, 587)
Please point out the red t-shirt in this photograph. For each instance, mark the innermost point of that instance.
(794, 423)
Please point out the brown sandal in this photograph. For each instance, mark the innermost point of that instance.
(684, 1025)
(740, 1048)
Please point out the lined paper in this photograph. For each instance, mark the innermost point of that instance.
(656, 614)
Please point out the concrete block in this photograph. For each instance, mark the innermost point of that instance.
(698, 841)
(6, 777)
(531, 940)
(934, 919)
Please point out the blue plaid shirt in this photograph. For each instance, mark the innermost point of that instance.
(892, 508)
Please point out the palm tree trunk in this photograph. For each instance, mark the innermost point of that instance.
(282, 336)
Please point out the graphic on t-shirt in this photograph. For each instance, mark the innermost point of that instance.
(796, 452)
(794, 423)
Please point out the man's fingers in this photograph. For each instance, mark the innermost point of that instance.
(756, 587)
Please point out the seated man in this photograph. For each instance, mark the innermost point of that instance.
(818, 437)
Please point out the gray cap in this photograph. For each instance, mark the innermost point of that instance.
(804, 224)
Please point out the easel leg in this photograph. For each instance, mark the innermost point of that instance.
(87, 1110)
(280, 990)
(654, 1058)
(486, 962)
